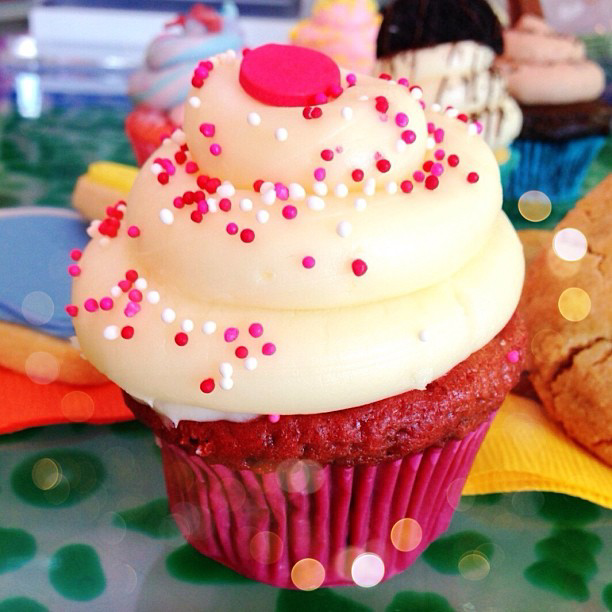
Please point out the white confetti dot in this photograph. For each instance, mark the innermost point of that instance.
(296, 191)
(111, 332)
(156, 168)
(315, 203)
(452, 112)
(281, 134)
(115, 291)
(225, 369)
(360, 203)
(369, 187)
(141, 283)
(92, 229)
(263, 216)
(168, 315)
(195, 102)
(347, 113)
(320, 188)
(153, 297)
(391, 187)
(266, 186)
(226, 384)
(209, 327)
(435, 107)
(431, 143)
(226, 190)
(253, 119)
(178, 136)
(424, 335)
(363, 98)
(246, 204)
(187, 325)
(416, 93)
(344, 228)
(269, 197)
(250, 363)
(472, 129)
(166, 216)
(341, 190)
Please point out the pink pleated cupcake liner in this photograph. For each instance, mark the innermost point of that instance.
(262, 525)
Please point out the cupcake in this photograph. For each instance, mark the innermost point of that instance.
(314, 312)
(343, 29)
(448, 49)
(160, 87)
(565, 120)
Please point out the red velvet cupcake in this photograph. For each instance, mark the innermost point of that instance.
(313, 288)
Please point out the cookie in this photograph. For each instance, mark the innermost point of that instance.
(572, 350)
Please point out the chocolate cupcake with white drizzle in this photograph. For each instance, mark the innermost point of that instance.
(448, 47)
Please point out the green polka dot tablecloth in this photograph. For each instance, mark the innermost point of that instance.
(84, 523)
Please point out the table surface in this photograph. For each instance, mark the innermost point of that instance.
(97, 536)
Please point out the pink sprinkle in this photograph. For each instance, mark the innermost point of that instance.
(308, 262)
(74, 270)
(230, 334)
(90, 305)
(351, 79)
(437, 169)
(124, 285)
(203, 206)
(72, 310)
(408, 136)
(473, 177)
(439, 135)
(290, 212)
(282, 192)
(75, 254)
(430, 127)
(207, 129)
(133, 231)
(439, 154)
(256, 330)
(403, 81)
(178, 202)
(359, 267)
(320, 98)
(406, 186)
(135, 295)
(269, 348)
(335, 90)
(401, 119)
(191, 167)
(215, 149)
(319, 174)
(131, 309)
(106, 303)
(513, 356)
(418, 176)
(231, 228)
(274, 418)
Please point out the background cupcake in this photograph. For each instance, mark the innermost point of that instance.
(159, 88)
(565, 120)
(448, 48)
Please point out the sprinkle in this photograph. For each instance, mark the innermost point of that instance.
(289, 212)
(400, 146)
(416, 92)
(115, 291)
(247, 235)
(106, 303)
(181, 339)
(359, 267)
(437, 169)
(253, 119)
(207, 129)
(75, 254)
(215, 149)
(74, 270)
(418, 176)
(424, 335)
(187, 325)
(246, 204)
(370, 187)
(320, 188)
(111, 332)
(231, 228)
(141, 283)
(131, 275)
(207, 385)
(282, 193)
(168, 315)
(341, 190)
(156, 168)
(195, 102)
(166, 216)
(127, 332)
(256, 330)
(347, 113)
(452, 112)
(135, 295)
(344, 229)
(406, 186)
(383, 165)
(408, 136)
(209, 327)
(124, 285)
(296, 191)
(133, 231)
(308, 262)
(72, 310)
(225, 204)
(431, 143)
(315, 203)
(327, 154)
(230, 334)
(382, 104)
(250, 363)
(438, 135)
(351, 79)
(225, 369)
(211, 203)
(269, 197)
(319, 174)
(90, 305)
(360, 203)
(357, 175)
(262, 216)
(153, 297)
(274, 418)
(401, 119)
(472, 177)
(439, 154)
(431, 182)
(226, 190)
(241, 352)
(513, 356)
(269, 348)
(226, 384)
(281, 134)
(453, 160)
(131, 309)
(435, 107)
(391, 187)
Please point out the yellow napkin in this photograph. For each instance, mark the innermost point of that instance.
(526, 451)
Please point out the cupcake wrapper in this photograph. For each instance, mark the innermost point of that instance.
(261, 525)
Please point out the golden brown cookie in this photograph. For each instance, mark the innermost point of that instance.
(568, 307)
(533, 241)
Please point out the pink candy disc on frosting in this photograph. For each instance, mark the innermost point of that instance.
(287, 75)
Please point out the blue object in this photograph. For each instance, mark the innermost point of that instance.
(35, 245)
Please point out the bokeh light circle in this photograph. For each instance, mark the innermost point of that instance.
(344, 560)
(368, 570)
(299, 476)
(534, 206)
(37, 308)
(406, 534)
(570, 244)
(42, 368)
(46, 473)
(453, 493)
(77, 406)
(307, 574)
(266, 547)
(574, 304)
(474, 566)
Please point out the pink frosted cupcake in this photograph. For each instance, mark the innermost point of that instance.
(312, 307)
(160, 87)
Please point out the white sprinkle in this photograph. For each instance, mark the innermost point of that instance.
(209, 327)
(391, 187)
(343, 229)
(315, 203)
(363, 98)
(296, 191)
(320, 188)
(269, 197)
(341, 190)
(166, 141)
(416, 93)
(104, 241)
(230, 54)
(266, 186)
(166, 216)
(74, 343)
(360, 203)
(431, 143)
(226, 190)
(472, 129)
(111, 332)
(141, 283)
(168, 315)
(92, 229)
(246, 204)
(400, 145)
(250, 363)
(153, 297)
(369, 187)
(187, 325)
(121, 207)
(178, 136)
(347, 113)
(281, 134)
(435, 107)
(212, 205)
(116, 291)
(226, 384)
(156, 168)
(214, 60)
(452, 112)
(195, 102)
(424, 335)
(262, 216)
(253, 119)
(225, 369)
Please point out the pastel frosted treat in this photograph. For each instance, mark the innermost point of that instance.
(448, 49)
(159, 88)
(37, 244)
(343, 29)
(314, 275)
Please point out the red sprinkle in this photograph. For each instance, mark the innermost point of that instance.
(382, 104)
(207, 385)
(406, 186)
(427, 165)
(75, 254)
(359, 267)
(384, 76)
(418, 176)
(327, 154)
(74, 270)
(131, 275)
(290, 212)
(72, 310)
(241, 352)
(124, 285)
(225, 204)
(191, 167)
(257, 185)
(383, 165)
(127, 332)
(408, 136)
(317, 112)
(453, 160)
(431, 182)
(196, 216)
(163, 178)
(473, 177)
(247, 235)
(135, 295)
(181, 338)
(357, 175)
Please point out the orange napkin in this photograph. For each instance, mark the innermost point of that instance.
(24, 403)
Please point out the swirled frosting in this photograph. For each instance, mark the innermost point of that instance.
(343, 29)
(164, 79)
(461, 74)
(287, 260)
(543, 67)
